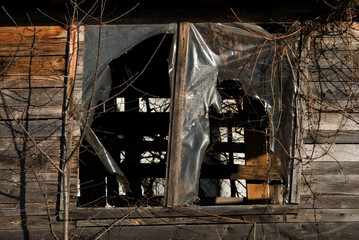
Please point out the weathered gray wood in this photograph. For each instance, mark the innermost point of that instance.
(325, 215)
(173, 175)
(46, 65)
(331, 136)
(340, 230)
(21, 154)
(30, 113)
(181, 220)
(36, 128)
(194, 211)
(331, 121)
(34, 81)
(10, 192)
(334, 90)
(320, 186)
(333, 43)
(329, 201)
(32, 97)
(39, 49)
(32, 222)
(330, 152)
(331, 168)
(331, 75)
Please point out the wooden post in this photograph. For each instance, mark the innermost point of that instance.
(71, 75)
(178, 100)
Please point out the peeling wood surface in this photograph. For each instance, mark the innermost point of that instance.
(47, 112)
(33, 81)
(325, 215)
(36, 128)
(33, 97)
(45, 66)
(331, 152)
(181, 220)
(39, 49)
(195, 211)
(26, 34)
(329, 201)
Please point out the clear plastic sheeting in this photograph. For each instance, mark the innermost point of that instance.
(115, 40)
(100, 50)
(216, 52)
(240, 52)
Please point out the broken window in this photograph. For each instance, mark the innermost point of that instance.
(229, 111)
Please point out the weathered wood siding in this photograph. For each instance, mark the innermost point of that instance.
(330, 154)
(33, 81)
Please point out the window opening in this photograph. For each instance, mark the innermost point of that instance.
(239, 140)
(133, 126)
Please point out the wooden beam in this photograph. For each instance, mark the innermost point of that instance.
(173, 175)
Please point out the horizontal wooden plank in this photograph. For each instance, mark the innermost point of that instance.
(338, 43)
(331, 75)
(45, 65)
(36, 128)
(32, 97)
(330, 152)
(30, 209)
(193, 211)
(331, 136)
(17, 153)
(329, 201)
(333, 58)
(272, 231)
(32, 222)
(330, 168)
(336, 90)
(180, 220)
(331, 121)
(26, 34)
(32, 192)
(30, 113)
(38, 49)
(11, 192)
(33, 81)
(328, 186)
(325, 215)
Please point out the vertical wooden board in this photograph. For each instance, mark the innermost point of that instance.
(173, 181)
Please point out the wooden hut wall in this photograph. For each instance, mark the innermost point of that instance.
(33, 85)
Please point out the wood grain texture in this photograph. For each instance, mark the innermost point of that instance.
(32, 97)
(39, 49)
(47, 112)
(45, 66)
(26, 34)
(36, 128)
(33, 81)
(331, 152)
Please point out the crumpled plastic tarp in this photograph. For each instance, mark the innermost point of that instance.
(216, 52)
(241, 52)
(99, 51)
